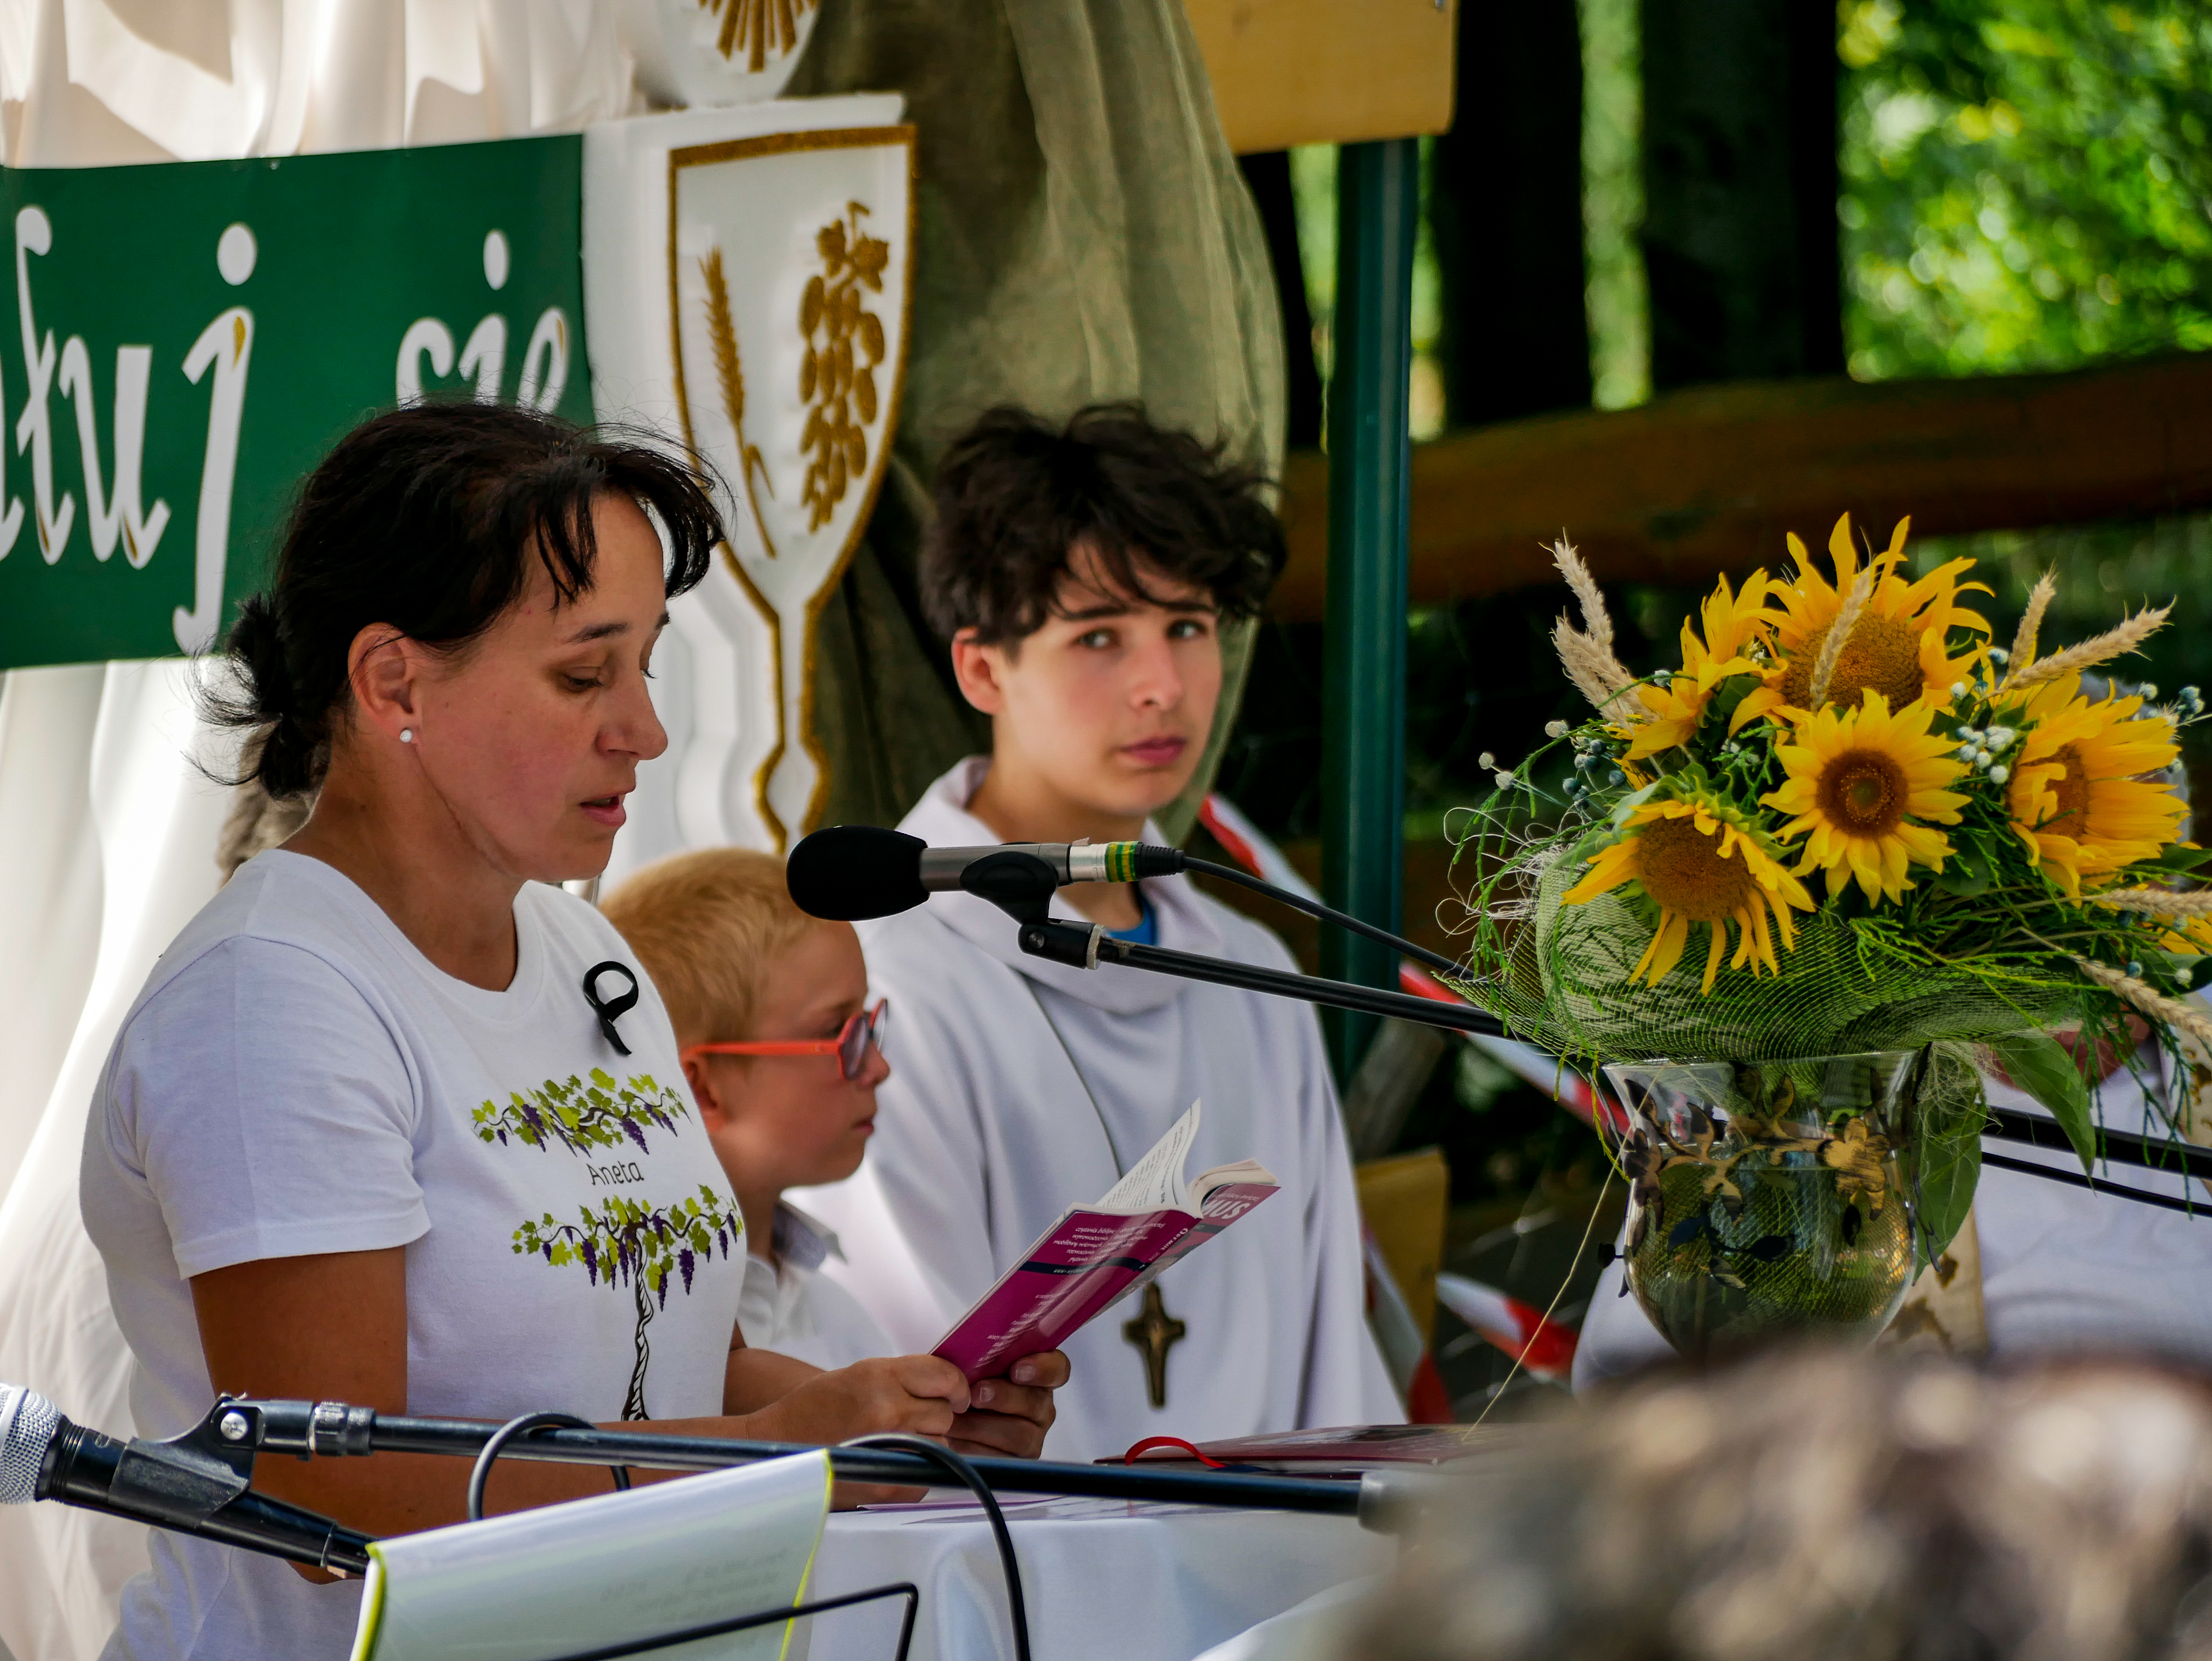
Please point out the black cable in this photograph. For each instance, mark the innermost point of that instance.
(905, 1588)
(480, 1472)
(1017, 1610)
(2114, 1147)
(1326, 913)
(2077, 1179)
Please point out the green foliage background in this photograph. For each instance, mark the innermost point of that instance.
(2026, 182)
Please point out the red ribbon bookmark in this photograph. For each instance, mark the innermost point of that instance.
(1152, 1442)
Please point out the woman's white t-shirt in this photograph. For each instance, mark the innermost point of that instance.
(296, 1078)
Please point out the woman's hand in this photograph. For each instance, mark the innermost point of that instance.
(1010, 1416)
(918, 1395)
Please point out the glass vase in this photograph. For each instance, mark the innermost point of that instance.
(1764, 1198)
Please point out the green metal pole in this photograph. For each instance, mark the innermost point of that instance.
(1364, 675)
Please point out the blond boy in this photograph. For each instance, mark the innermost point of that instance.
(783, 1060)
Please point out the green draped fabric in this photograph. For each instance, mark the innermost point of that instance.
(1083, 233)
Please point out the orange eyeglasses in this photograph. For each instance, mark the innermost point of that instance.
(850, 1046)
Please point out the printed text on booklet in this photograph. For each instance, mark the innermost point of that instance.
(1097, 1255)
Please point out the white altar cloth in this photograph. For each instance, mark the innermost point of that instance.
(1104, 1580)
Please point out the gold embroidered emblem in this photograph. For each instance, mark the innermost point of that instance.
(844, 345)
(762, 27)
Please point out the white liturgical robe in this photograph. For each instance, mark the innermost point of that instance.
(1020, 1088)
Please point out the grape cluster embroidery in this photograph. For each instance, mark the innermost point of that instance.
(579, 1115)
(621, 1243)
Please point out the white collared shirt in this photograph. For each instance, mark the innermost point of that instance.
(788, 1307)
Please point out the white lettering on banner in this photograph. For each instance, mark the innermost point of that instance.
(485, 356)
(546, 362)
(34, 233)
(11, 522)
(227, 344)
(425, 337)
(119, 513)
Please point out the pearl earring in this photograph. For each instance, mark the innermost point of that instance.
(407, 735)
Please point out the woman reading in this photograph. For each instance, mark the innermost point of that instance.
(397, 1122)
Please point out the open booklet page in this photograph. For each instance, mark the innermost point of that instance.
(594, 1573)
(1097, 1255)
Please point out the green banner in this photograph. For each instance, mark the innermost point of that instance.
(189, 338)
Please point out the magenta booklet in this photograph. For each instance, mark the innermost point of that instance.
(1097, 1255)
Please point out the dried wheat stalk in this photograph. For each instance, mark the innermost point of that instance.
(2160, 902)
(2031, 624)
(2154, 1004)
(1597, 622)
(2099, 649)
(1585, 664)
(722, 341)
(1839, 633)
(1587, 653)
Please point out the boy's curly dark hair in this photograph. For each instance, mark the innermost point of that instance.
(1016, 497)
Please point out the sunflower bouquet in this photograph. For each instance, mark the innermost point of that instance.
(1849, 823)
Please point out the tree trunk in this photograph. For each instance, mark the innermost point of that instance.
(1739, 237)
(1506, 205)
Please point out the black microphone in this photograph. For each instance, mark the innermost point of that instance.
(196, 1484)
(851, 872)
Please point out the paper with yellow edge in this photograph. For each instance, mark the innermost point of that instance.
(617, 1569)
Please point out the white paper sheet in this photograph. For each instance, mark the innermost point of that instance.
(1155, 1182)
(570, 1579)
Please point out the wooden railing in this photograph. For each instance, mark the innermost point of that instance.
(1709, 479)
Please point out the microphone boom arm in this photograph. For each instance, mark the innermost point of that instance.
(1087, 947)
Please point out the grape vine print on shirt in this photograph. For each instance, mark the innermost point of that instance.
(581, 1117)
(623, 1242)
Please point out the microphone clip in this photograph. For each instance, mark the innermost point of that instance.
(181, 1482)
(1020, 884)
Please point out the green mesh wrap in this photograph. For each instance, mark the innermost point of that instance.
(1564, 984)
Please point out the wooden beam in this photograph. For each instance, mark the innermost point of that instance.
(1709, 479)
(1290, 72)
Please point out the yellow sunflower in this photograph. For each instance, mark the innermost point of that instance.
(1698, 868)
(1898, 647)
(1858, 782)
(1732, 622)
(2077, 794)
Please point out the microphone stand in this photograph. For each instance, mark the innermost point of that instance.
(1022, 885)
(326, 1428)
(1086, 946)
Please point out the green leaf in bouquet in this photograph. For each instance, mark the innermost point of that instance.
(1634, 800)
(2039, 1065)
(2177, 860)
(1967, 873)
(1945, 1155)
(1726, 696)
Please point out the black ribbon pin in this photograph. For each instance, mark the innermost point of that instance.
(610, 1010)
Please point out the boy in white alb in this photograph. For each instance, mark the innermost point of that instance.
(1081, 575)
(781, 1054)
(572, 1244)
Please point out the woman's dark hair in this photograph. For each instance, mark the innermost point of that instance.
(426, 519)
(1016, 496)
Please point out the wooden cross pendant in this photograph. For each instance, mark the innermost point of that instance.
(1152, 1331)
